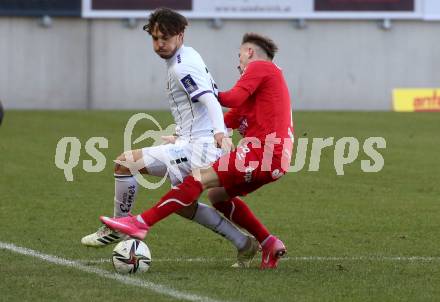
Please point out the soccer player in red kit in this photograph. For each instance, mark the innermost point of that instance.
(261, 111)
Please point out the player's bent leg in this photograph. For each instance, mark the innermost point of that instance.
(151, 160)
(217, 195)
(126, 189)
(203, 214)
(188, 212)
(246, 254)
(247, 246)
(126, 186)
(236, 210)
(210, 218)
(178, 197)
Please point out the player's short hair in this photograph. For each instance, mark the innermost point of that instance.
(170, 23)
(265, 43)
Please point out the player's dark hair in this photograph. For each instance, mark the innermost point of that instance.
(170, 22)
(265, 43)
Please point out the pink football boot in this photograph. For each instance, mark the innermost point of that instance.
(129, 225)
(272, 250)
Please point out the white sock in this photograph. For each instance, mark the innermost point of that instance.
(211, 219)
(126, 189)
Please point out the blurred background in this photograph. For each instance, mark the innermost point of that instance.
(336, 54)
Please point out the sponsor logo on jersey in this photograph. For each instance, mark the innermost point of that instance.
(189, 84)
(248, 174)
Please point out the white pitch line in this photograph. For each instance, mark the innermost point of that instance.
(155, 287)
(304, 258)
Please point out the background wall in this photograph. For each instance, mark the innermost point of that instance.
(101, 64)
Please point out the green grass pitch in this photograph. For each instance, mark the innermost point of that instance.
(344, 234)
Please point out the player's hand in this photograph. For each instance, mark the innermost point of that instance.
(224, 142)
(169, 139)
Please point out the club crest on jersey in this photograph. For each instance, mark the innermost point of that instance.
(189, 84)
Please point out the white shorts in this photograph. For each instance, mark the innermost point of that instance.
(179, 159)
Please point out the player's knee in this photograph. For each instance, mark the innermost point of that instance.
(119, 168)
(188, 212)
(214, 196)
(211, 197)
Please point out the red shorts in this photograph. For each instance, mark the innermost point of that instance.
(246, 169)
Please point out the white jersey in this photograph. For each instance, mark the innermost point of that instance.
(188, 79)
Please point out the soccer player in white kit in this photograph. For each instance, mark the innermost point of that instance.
(200, 131)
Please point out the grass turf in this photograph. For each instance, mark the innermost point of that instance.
(394, 212)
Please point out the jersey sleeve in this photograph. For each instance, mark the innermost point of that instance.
(195, 80)
(252, 77)
(245, 86)
(232, 118)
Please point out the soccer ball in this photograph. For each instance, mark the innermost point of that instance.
(131, 256)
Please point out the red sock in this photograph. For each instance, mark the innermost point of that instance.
(185, 194)
(237, 211)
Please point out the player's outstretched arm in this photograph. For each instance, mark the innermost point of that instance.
(233, 98)
(248, 83)
(215, 115)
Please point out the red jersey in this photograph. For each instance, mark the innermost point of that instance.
(261, 105)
